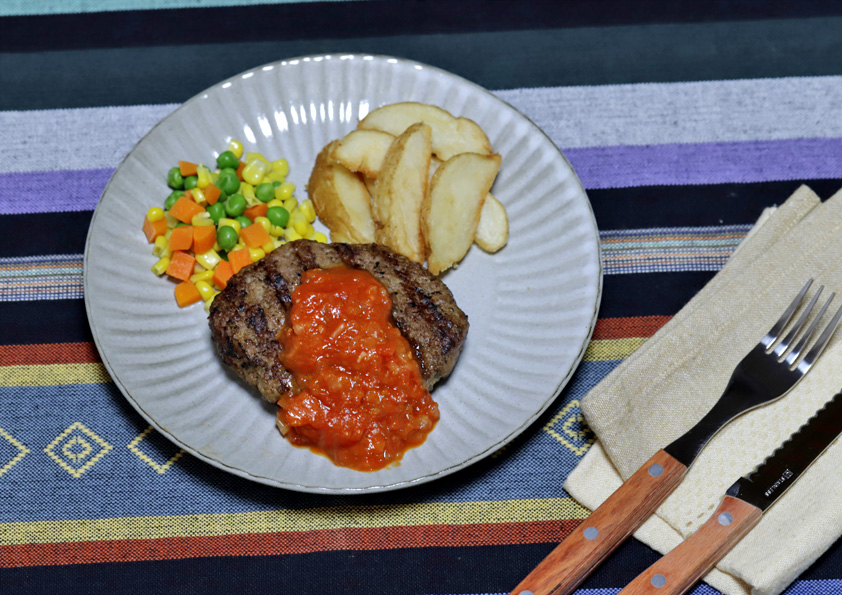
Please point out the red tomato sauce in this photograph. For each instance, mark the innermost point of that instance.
(362, 401)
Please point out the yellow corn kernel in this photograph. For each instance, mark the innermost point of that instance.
(201, 219)
(247, 190)
(254, 171)
(290, 204)
(160, 267)
(223, 221)
(254, 156)
(284, 191)
(199, 196)
(161, 247)
(203, 276)
(268, 246)
(238, 246)
(306, 207)
(236, 147)
(197, 268)
(303, 228)
(280, 167)
(278, 242)
(205, 289)
(263, 222)
(155, 214)
(256, 254)
(171, 221)
(276, 231)
(291, 235)
(209, 301)
(203, 176)
(320, 237)
(275, 202)
(209, 259)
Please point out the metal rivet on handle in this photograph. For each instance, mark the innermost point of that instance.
(591, 533)
(655, 470)
(658, 581)
(726, 518)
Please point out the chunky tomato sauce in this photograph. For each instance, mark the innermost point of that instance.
(362, 401)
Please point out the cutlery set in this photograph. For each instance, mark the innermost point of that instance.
(769, 371)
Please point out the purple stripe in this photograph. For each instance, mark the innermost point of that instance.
(708, 163)
(52, 191)
(598, 167)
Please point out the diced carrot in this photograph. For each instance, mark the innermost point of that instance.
(212, 193)
(187, 168)
(240, 170)
(222, 273)
(153, 229)
(186, 293)
(254, 236)
(238, 259)
(185, 209)
(181, 265)
(181, 238)
(204, 237)
(258, 210)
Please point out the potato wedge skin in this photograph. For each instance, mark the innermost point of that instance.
(341, 200)
(399, 192)
(493, 229)
(451, 210)
(451, 135)
(362, 151)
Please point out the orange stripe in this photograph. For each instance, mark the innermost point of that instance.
(292, 542)
(629, 327)
(48, 353)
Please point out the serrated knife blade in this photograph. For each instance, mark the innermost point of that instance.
(742, 508)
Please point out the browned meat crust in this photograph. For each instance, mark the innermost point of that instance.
(247, 317)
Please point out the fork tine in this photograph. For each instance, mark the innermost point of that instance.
(776, 330)
(796, 351)
(822, 342)
(783, 345)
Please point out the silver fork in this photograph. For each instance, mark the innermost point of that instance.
(765, 374)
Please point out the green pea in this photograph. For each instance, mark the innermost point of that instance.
(278, 216)
(191, 182)
(244, 221)
(235, 205)
(228, 181)
(265, 192)
(174, 179)
(227, 237)
(227, 159)
(172, 198)
(216, 212)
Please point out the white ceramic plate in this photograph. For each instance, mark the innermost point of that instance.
(532, 306)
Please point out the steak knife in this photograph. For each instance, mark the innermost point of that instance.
(742, 508)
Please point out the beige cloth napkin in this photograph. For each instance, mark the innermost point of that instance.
(662, 389)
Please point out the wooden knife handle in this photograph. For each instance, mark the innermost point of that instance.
(606, 528)
(679, 570)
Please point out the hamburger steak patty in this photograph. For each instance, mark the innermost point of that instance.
(246, 318)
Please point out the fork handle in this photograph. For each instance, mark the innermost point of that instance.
(606, 528)
(679, 570)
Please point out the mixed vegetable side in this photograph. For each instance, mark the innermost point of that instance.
(214, 223)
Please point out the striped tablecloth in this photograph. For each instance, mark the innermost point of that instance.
(683, 121)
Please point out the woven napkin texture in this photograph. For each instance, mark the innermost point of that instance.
(671, 381)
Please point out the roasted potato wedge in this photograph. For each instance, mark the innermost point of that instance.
(362, 151)
(493, 229)
(341, 200)
(451, 210)
(451, 135)
(400, 190)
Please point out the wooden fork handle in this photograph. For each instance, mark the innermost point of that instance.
(606, 528)
(682, 567)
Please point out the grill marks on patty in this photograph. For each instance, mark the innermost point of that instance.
(247, 317)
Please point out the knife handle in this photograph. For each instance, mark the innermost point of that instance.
(607, 526)
(679, 570)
